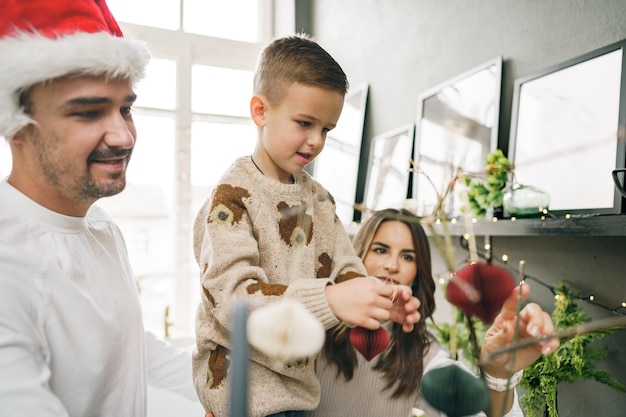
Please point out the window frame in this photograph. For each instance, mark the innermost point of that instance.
(188, 49)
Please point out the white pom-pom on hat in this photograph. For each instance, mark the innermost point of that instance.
(285, 331)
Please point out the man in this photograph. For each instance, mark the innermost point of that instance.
(71, 335)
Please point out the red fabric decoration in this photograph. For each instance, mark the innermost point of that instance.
(369, 342)
(488, 287)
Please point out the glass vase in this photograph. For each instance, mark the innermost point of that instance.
(521, 200)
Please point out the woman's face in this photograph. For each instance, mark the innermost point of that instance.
(391, 256)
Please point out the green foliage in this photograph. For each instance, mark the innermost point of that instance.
(573, 361)
(463, 344)
(486, 191)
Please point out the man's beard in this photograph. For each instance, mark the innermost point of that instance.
(91, 190)
(85, 188)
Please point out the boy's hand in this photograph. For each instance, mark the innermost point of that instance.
(366, 303)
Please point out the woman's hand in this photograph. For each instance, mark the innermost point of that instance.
(365, 302)
(404, 309)
(533, 322)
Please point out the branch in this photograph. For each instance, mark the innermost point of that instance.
(610, 323)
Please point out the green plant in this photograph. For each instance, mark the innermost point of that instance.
(485, 190)
(574, 360)
(457, 338)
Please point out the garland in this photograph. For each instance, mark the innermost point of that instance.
(575, 359)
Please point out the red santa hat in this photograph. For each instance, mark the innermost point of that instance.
(42, 40)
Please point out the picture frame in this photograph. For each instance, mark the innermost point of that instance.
(337, 167)
(388, 169)
(457, 126)
(567, 131)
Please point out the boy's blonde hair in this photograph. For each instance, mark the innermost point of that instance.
(296, 59)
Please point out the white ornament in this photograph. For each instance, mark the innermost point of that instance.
(285, 331)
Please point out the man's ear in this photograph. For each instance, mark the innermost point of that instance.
(20, 136)
(258, 107)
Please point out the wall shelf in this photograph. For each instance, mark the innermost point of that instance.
(589, 225)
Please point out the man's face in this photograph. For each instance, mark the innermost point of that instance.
(80, 147)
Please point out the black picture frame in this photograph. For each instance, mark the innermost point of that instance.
(568, 131)
(457, 126)
(388, 168)
(337, 167)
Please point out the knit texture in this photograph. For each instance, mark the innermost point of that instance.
(256, 239)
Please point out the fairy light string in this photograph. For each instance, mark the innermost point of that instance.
(445, 249)
(619, 310)
(588, 298)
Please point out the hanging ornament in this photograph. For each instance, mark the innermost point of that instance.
(492, 283)
(285, 331)
(369, 342)
(454, 391)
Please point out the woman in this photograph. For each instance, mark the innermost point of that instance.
(395, 249)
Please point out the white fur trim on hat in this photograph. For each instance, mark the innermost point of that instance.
(31, 58)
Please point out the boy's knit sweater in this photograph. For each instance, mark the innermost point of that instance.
(257, 240)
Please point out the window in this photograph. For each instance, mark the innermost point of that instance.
(222, 91)
(144, 12)
(158, 89)
(233, 19)
(192, 120)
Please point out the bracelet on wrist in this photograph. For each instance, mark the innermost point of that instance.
(502, 384)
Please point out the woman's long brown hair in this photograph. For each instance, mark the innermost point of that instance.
(402, 363)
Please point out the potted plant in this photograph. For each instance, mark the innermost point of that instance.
(497, 189)
(485, 190)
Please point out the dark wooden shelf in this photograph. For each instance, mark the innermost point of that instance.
(587, 225)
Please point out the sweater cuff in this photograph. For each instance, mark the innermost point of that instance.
(311, 293)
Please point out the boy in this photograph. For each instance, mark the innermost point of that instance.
(269, 230)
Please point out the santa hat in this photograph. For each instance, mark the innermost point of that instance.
(42, 40)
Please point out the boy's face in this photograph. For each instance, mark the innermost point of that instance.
(79, 150)
(293, 132)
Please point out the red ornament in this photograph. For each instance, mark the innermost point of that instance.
(480, 289)
(369, 342)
